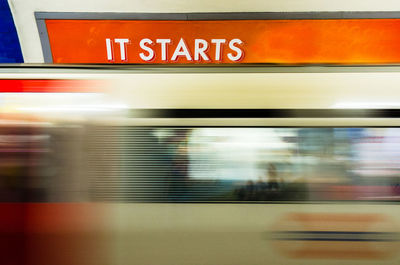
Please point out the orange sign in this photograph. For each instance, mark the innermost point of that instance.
(330, 41)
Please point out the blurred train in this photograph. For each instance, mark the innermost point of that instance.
(199, 165)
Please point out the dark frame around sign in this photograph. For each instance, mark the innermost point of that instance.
(48, 58)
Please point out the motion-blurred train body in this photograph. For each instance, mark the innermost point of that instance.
(226, 164)
(200, 165)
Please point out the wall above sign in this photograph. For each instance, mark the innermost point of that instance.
(228, 38)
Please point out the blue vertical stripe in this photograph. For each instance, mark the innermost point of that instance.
(10, 49)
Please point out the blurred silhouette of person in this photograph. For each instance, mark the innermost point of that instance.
(273, 179)
(179, 166)
(269, 186)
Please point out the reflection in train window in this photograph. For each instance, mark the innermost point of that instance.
(248, 164)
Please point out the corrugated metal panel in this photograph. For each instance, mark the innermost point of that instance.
(131, 164)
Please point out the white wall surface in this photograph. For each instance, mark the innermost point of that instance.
(23, 11)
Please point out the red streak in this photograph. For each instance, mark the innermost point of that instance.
(45, 86)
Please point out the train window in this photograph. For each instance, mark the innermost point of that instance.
(246, 164)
